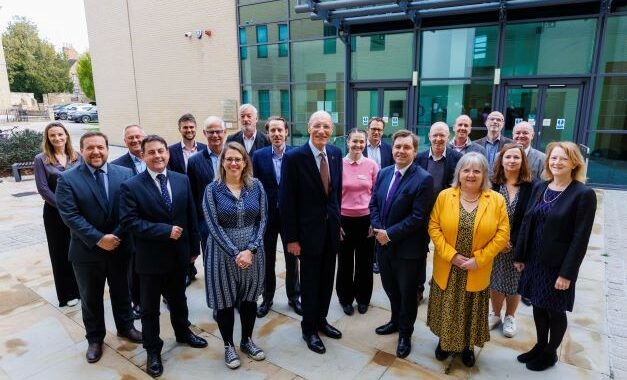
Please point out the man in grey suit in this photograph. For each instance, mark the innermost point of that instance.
(493, 141)
(523, 134)
(461, 141)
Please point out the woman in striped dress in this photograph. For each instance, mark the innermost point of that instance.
(235, 211)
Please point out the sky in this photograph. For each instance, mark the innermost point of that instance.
(60, 22)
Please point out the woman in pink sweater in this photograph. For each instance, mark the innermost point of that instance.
(354, 269)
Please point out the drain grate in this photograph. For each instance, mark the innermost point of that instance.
(24, 194)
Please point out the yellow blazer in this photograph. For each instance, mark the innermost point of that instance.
(490, 236)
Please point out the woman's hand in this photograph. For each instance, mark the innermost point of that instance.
(562, 283)
(519, 266)
(245, 259)
(459, 260)
(342, 234)
(470, 264)
(508, 247)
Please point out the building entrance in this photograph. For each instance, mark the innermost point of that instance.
(388, 100)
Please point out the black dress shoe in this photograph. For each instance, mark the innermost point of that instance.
(193, 340)
(348, 309)
(94, 352)
(330, 331)
(137, 311)
(404, 347)
(440, 354)
(543, 361)
(263, 309)
(154, 367)
(468, 357)
(525, 301)
(132, 334)
(386, 329)
(362, 309)
(295, 304)
(530, 355)
(314, 343)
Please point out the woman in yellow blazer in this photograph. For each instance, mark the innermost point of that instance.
(469, 226)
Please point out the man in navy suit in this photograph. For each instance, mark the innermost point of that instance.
(376, 148)
(133, 136)
(267, 168)
(88, 202)
(249, 137)
(310, 197)
(399, 209)
(180, 152)
(157, 206)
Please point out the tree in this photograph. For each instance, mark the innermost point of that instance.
(85, 76)
(32, 63)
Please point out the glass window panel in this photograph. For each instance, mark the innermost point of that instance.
(243, 52)
(540, 48)
(306, 29)
(268, 99)
(391, 59)
(395, 109)
(608, 158)
(285, 104)
(249, 34)
(256, 69)
(245, 97)
(447, 99)
(611, 107)
(262, 13)
(311, 97)
(459, 53)
(614, 51)
(367, 106)
(310, 62)
(262, 36)
(264, 103)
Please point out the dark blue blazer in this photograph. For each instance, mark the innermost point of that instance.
(200, 174)
(452, 157)
(126, 161)
(144, 214)
(177, 161)
(263, 169)
(386, 154)
(308, 215)
(261, 140)
(88, 216)
(408, 216)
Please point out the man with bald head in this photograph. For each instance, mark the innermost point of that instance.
(461, 142)
(493, 141)
(523, 134)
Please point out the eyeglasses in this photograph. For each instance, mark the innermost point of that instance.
(376, 130)
(218, 132)
(231, 160)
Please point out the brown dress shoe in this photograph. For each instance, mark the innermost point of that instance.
(94, 352)
(132, 334)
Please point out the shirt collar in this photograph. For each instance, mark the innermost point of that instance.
(431, 155)
(468, 142)
(134, 157)
(528, 149)
(185, 148)
(104, 168)
(153, 175)
(252, 138)
(348, 160)
(373, 146)
(276, 154)
(496, 140)
(315, 150)
(403, 170)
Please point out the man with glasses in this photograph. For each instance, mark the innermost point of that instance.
(493, 141)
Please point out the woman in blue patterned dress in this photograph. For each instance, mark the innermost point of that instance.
(551, 245)
(235, 210)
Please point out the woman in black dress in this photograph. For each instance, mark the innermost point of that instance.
(551, 246)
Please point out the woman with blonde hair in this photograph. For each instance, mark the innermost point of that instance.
(469, 227)
(56, 157)
(551, 245)
(235, 210)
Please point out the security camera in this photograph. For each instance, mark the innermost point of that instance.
(188, 34)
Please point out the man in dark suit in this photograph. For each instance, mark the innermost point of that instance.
(88, 202)
(493, 141)
(180, 152)
(399, 209)
(310, 197)
(440, 162)
(157, 206)
(523, 134)
(267, 168)
(249, 137)
(133, 136)
(377, 149)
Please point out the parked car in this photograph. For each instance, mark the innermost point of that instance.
(84, 114)
(62, 112)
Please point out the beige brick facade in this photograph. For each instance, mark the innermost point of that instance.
(146, 71)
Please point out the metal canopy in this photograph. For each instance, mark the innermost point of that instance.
(341, 13)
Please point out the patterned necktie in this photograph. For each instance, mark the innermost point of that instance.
(324, 172)
(101, 185)
(388, 199)
(163, 184)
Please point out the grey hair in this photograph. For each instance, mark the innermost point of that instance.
(320, 114)
(439, 124)
(248, 106)
(470, 159)
(131, 126)
(211, 120)
(524, 124)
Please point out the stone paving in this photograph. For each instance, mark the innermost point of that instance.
(39, 340)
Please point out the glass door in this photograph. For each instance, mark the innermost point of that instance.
(387, 102)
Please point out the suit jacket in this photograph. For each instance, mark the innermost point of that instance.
(452, 157)
(126, 161)
(408, 215)
(200, 174)
(88, 216)
(144, 214)
(536, 163)
(386, 154)
(177, 160)
(307, 213)
(263, 169)
(524, 193)
(566, 229)
(261, 140)
(490, 236)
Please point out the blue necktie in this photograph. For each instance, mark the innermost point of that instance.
(99, 175)
(388, 199)
(163, 184)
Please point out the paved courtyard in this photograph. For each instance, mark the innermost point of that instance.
(39, 340)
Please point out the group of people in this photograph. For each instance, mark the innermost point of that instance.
(141, 221)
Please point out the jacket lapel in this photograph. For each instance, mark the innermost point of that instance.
(310, 161)
(484, 199)
(91, 183)
(152, 188)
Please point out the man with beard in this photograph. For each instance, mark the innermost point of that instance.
(180, 152)
(267, 168)
(523, 134)
(248, 136)
(461, 141)
(88, 202)
(493, 141)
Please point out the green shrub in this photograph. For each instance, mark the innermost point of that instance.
(21, 146)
